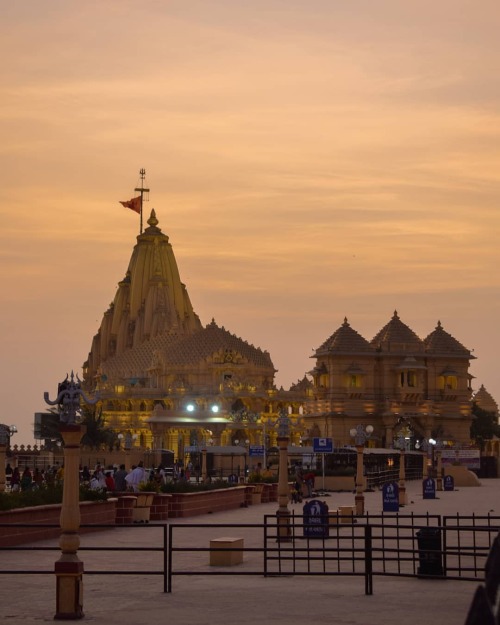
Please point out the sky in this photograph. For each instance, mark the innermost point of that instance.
(309, 161)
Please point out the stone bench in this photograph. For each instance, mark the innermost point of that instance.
(334, 517)
(233, 555)
(347, 513)
(141, 510)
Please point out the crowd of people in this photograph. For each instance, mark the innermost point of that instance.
(111, 478)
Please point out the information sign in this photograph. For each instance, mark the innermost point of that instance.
(390, 497)
(315, 519)
(429, 488)
(323, 445)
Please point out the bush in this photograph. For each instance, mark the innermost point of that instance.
(262, 478)
(190, 487)
(45, 496)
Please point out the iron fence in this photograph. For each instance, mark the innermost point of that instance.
(404, 545)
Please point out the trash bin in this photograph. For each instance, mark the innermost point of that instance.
(429, 551)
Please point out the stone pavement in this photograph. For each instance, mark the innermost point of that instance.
(210, 600)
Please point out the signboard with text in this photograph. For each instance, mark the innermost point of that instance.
(429, 488)
(256, 451)
(449, 482)
(390, 497)
(470, 458)
(323, 445)
(316, 519)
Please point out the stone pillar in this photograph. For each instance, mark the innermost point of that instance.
(124, 507)
(359, 498)
(283, 513)
(402, 477)
(69, 568)
(439, 480)
(425, 471)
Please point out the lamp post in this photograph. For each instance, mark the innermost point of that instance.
(439, 478)
(401, 444)
(6, 431)
(425, 446)
(360, 435)
(69, 568)
(283, 513)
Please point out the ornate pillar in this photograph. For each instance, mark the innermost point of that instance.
(360, 435)
(283, 513)
(69, 568)
(439, 480)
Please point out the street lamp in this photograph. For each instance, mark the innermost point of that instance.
(360, 435)
(437, 446)
(401, 445)
(6, 431)
(425, 446)
(69, 568)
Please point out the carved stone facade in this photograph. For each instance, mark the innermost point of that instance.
(167, 381)
(395, 382)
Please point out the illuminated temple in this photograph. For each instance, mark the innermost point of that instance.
(166, 381)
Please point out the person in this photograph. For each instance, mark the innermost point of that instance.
(37, 478)
(26, 479)
(94, 482)
(110, 481)
(15, 480)
(120, 475)
(136, 476)
(60, 475)
(296, 492)
(299, 478)
(98, 479)
(85, 475)
(309, 478)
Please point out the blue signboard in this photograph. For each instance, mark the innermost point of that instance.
(256, 450)
(390, 497)
(429, 488)
(449, 482)
(323, 445)
(315, 519)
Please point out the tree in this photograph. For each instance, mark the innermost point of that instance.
(484, 426)
(97, 434)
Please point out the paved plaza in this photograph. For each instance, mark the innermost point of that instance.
(295, 600)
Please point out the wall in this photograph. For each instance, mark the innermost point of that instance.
(102, 512)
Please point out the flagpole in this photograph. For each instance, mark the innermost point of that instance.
(142, 190)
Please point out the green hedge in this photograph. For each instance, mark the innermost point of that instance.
(45, 496)
(190, 487)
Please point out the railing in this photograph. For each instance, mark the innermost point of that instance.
(125, 566)
(379, 478)
(451, 547)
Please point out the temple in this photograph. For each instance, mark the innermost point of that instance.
(168, 382)
(397, 382)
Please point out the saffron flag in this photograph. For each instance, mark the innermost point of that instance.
(134, 204)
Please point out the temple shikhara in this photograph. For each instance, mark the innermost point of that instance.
(166, 381)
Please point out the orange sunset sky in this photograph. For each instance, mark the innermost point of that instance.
(309, 160)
